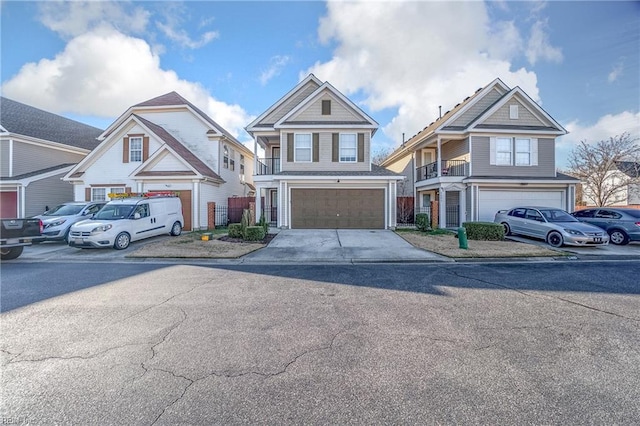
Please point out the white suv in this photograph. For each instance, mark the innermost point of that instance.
(129, 219)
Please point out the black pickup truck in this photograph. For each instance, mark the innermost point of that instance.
(17, 233)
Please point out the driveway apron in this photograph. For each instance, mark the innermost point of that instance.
(340, 246)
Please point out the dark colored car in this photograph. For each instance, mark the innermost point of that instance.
(622, 225)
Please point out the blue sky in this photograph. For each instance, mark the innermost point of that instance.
(397, 60)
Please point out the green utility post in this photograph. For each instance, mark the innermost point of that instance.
(462, 238)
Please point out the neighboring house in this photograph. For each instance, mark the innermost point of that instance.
(317, 172)
(620, 186)
(167, 144)
(37, 148)
(493, 151)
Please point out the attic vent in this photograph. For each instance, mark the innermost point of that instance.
(513, 112)
(326, 107)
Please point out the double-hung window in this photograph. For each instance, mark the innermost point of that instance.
(302, 147)
(225, 157)
(135, 149)
(503, 151)
(348, 148)
(523, 152)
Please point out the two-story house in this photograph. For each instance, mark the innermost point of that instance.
(493, 151)
(317, 171)
(37, 148)
(167, 144)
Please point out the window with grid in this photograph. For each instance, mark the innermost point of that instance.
(503, 151)
(348, 148)
(225, 157)
(98, 194)
(523, 152)
(302, 146)
(135, 149)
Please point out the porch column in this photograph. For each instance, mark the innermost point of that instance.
(439, 165)
(442, 203)
(462, 202)
(22, 201)
(255, 162)
(195, 205)
(258, 203)
(283, 205)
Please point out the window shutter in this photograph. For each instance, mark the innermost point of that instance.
(290, 147)
(335, 147)
(534, 151)
(360, 147)
(87, 194)
(316, 147)
(492, 151)
(145, 148)
(125, 149)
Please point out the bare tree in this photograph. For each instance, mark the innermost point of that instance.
(608, 169)
(380, 155)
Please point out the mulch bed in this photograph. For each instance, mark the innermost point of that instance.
(267, 238)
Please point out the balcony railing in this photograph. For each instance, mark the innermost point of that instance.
(448, 167)
(268, 166)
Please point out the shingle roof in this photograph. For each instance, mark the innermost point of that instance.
(174, 98)
(37, 172)
(26, 120)
(629, 168)
(180, 149)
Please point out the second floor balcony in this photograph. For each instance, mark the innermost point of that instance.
(447, 168)
(268, 166)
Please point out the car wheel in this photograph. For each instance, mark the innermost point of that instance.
(618, 237)
(8, 253)
(176, 229)
(507, 228)
(554, 239)
(122, 241)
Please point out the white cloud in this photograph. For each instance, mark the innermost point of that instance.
(607, 126)
(276, 64)
(102, 73)
(73, 18)
(616, 72)
(415, 56)
(174, 14)
(539, 47)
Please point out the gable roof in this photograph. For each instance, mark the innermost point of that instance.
(444, 123)
(173, 99)
(25, 120)
(180, 149)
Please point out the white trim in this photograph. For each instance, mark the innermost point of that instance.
(355, 140)
(295, 148)
(45, 143)
(11, 157)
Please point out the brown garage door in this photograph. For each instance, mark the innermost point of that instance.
(337, 208)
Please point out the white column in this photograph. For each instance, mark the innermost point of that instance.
(462, 201)
(195, 205)
(255, 155)
(22, 201)
(442, 206)
(11, 157)
(258, 203)
(439, 165)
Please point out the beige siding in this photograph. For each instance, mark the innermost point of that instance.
(298, 97)
(325, 163)
(481, 166)
(339, 112)
(525, 117)
(455, 149)
(46, 192)
(30, 158)
(478, 108)
(4, 157)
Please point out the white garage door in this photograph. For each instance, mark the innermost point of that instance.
(489, 202)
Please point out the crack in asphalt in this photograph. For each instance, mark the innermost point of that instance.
(543, 296)
(163, 302)
(86, 357)
(233, 376)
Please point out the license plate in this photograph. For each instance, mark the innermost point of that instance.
(13, 241)
(78, 240)
(597, 240)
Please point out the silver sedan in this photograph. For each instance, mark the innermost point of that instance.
(555, 226)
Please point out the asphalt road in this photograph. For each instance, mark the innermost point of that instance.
(116, 343)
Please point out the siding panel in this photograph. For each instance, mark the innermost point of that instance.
(481, 167)
(46, 192)
(325, 162)
(477, 109)
(291, 103)
(525, 117)
(339, 112)
(4, 157)
(455, 149)
(30, 158)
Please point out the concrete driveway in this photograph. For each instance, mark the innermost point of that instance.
(340, 246)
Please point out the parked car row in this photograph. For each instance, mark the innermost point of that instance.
(589, 227)
(113, 224)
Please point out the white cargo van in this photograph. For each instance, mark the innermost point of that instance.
(129, 219)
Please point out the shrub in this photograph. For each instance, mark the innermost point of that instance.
(263, 222)
(422, 222)
(235, 230)
(484, 231)
(254, 233)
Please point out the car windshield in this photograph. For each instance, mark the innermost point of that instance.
(114, 212)
(64, 210)
(557, 215)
